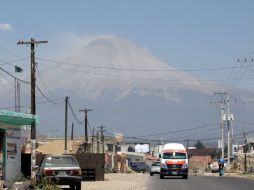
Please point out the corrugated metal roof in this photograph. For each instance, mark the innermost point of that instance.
(17, 118)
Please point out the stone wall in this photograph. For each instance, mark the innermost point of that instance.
(243, 163)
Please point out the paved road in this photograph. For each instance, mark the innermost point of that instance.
(200, 183)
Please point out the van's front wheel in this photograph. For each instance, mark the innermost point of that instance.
(161, 176)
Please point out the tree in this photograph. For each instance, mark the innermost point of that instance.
(199, 145)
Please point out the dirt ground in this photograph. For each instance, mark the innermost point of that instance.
(119, 181)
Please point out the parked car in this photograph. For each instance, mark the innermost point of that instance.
(140, 167)
(155, 168)
(60, 169)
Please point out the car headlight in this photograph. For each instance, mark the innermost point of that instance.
(164, 166)
(185, 166)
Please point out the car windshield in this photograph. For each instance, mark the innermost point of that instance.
(60, 161)
(174, 155)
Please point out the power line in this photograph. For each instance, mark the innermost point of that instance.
(230, 81)
(13, 61)
(151, 79)
(144, 70)
(155, 79)
(90, 127)
(55, 102)
(158, 140)
(8, 51)
(74, 115)
(178, 131)
(49, 100)
(42, 81)
(14, 76)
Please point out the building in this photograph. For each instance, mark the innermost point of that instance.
(248, 147)
(10, 141)
(201, 158)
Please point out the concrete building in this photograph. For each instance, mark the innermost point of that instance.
(10, 142)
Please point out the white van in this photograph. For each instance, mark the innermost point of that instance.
(174, 161)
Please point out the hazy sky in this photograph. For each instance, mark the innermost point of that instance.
(197, 34)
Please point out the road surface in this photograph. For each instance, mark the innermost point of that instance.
(140, 181)
(200, 183)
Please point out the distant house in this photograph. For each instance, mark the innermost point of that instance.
(203, 155)
(201, 158)
(249, 146)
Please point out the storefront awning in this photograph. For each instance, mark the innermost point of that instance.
(17, 118)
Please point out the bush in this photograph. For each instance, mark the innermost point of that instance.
(47, 184)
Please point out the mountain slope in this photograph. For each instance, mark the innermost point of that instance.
(108, 64)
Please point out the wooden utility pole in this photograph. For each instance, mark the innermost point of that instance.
(32, 43)
(72, 131)
(86, 122)
(66, 124)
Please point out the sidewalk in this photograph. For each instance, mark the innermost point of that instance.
(119, 181)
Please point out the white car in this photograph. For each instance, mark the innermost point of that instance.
(155, 168)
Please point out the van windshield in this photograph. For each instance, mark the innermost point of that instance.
(174, 155)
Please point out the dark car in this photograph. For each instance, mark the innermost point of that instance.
(140, 167)
(61, 170)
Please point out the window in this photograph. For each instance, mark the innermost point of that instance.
(60, 161)
(174, 155)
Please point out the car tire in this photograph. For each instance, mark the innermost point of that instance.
(185, 176)
(161, 176)
(151, 174)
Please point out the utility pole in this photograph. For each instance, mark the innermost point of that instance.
(222, 128)
(32, 44)
(66, 124)
(17, 89)
(72, 130)
(102, 138)
(229, 136)
(222, 112)
(187, 144)
(245, 156)
(98, 148)
(18, 96)
(86, 121)
(93, 141)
